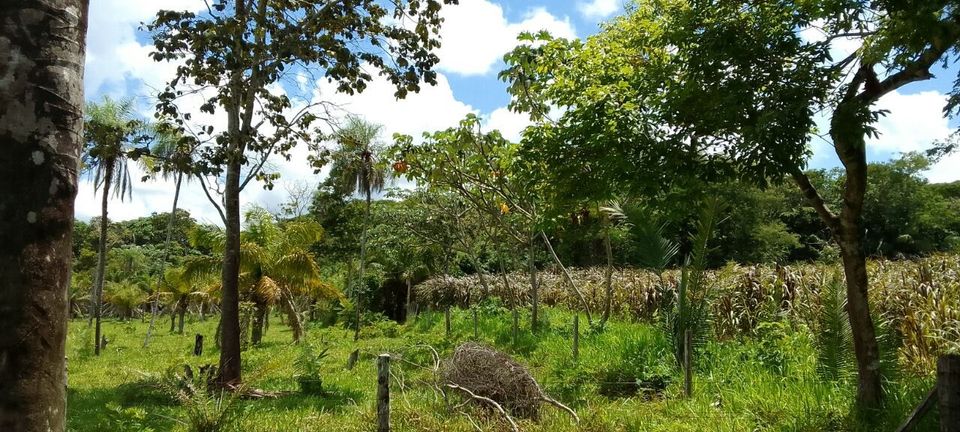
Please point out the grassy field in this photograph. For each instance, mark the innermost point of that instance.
(766, 382)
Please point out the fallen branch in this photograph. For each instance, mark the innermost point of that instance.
(557, 404)
(492, 402)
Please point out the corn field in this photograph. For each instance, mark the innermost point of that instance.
(915, 303)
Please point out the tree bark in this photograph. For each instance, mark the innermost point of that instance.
(851, 148)
(41, 124)
(259, 320)
(230, 367)
(296, 325)
(97, 296)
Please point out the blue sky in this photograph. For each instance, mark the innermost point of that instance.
(475, 36)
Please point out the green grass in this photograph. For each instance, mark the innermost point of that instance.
(765, 383)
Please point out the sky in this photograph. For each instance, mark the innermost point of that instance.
(475, 35)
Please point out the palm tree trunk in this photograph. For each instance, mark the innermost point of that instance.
(296, 325)
(101, 254)
(154, 306)
(41, 100)
(182, 312)
(409, 295)
(363, 261)
(259, 316)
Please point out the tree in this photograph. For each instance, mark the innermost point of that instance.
(275, 262)
(238, 51)
(111, 132)
(173, 152)
(730, 90)
(357, 168)
(41, 124)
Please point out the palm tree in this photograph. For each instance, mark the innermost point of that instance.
(275, 264)
(110, 131)
(357, 169)
(171, 157)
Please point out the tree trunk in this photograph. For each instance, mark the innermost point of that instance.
(183, 313)
(869, 391)
(155, 305)
(363, 262)
(101, 255)
(409, 295)
(230, 367)
(259, 318)
(296, 325)
(41, 123)
(851, 148)
(534, 288)
(173, 317)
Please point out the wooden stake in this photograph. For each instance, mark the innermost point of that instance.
(576, 338)
(948, 392)
(352, 360)
(911, 422)
(687, 359)
(198, 345)
(383, 393)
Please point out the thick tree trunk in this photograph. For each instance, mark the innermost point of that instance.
(851, 148)
(230, 367)
(869, 391)
(259, 323)
(101, 256)
(41, 123)
(155, 305)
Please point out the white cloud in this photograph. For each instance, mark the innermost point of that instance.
(510, 124)
(913, 124)
(475, 35)
(114, 55)
(598, 9)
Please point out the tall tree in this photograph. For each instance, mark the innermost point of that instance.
(171, 157)
(41, 128)
(357, 168)
(235, 54)
(111, 132)
(731, 89)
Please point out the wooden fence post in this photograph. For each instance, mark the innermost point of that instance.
(446, 321)
(383, 393)
(687, 369)
(576, 337)
(948, 392)
(198, 345)
(352, 360)
(476, 330)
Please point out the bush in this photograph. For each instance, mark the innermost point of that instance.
(308, 365)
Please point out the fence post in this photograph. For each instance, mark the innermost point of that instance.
(476, 330)
(198, 345)
(576, 337)
(352, 360)
(687, 369)
(383, 393)
(446, 321)
(948, 392)
(516, 324)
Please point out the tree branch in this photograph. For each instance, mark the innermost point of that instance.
(816, 201)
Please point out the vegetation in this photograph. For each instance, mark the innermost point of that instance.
(661, 192)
